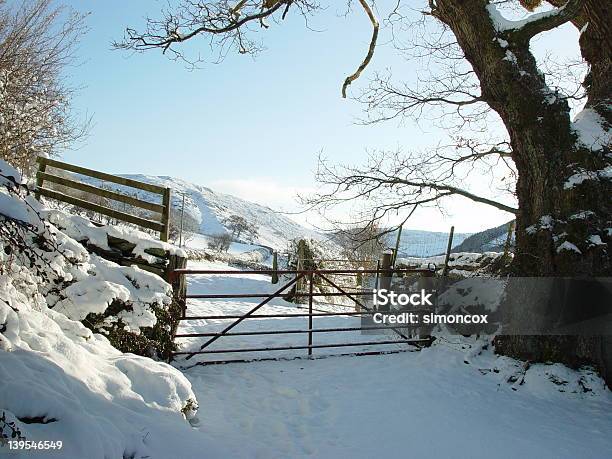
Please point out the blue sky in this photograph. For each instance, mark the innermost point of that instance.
(249, 127)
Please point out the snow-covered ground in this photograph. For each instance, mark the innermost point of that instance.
(421, 404)
(455, 399)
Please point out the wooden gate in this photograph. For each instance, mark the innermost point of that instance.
(162, 224)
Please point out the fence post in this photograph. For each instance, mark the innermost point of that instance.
(301, 254)
(165, 216)
(182, 216)
(509, 238)
(377, 274)
(448, 251)
(386, 273)
(274, 268)
(397, 243)
(42, 167)
(310, 281)
(426, 282)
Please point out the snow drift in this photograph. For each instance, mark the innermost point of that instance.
(58, 379)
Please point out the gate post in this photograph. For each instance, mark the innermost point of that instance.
(386, 273)
(311, 283)
(449, 247)
(275, 268)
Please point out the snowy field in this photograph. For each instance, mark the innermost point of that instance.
(455, 399)
(418, 404)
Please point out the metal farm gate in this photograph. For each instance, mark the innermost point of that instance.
(307, 280)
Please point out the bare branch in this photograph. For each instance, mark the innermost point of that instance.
(368, 57)
(227, 26)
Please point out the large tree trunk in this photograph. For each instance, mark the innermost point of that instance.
(563, 187)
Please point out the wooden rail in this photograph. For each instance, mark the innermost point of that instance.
(162, 224)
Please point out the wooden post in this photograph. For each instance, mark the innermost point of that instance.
(179, 289)
(377, 274)
(360, 285)
(397, 243)
(275, 268)
(386, 273)
(300, 267)
(42, 167)
(448, 251)
(310, 282)
(426, 282)
(165, 216)
(182, 216)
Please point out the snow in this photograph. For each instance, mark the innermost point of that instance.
(595, 239)
(502, 24)
(61, 381)
(465, 264)
(503, 43)
(591, 130)
(8, 174)
(82, 229)
(444, 401)
(583, 175)
(510, 57)
(455, 399)
(582, 215)
(98, 401)
(482, 291)
(569, 247)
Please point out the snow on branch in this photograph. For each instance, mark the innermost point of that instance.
(534, 24)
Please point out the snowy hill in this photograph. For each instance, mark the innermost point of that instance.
(490, 240)
(211, 209)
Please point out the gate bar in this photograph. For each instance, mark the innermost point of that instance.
(312, 346)
(263, 303)
(274, 316)
(280, 332)
(295, 271)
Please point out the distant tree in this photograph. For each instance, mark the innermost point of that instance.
(37, 41)
(220, 242)
(363, 243)
(190, 226)
(239, 225)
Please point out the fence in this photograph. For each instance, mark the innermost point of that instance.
(324, 275)
(162, 224)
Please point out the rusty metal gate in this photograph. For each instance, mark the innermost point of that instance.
(307, 280)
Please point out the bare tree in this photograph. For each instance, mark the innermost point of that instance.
(239, 225)
(190, 225)
(37, 41)
(482, 75)
(220, 242)
(362, 243)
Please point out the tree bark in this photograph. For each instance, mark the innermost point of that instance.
(565, 210)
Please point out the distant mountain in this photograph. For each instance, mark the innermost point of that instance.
(490, 240)
(417, 243)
